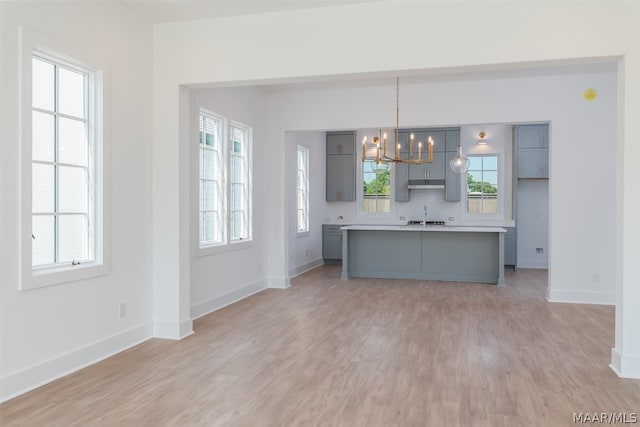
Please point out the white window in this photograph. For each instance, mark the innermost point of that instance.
(240, 183)
(224, 181)
(212, 214)
(482, 185)
(376, 188)
(65, 152)
(302, 190)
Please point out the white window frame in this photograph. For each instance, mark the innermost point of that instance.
(228, 243)
(33, 44)
(246, 182)
(302, 187)
(501, 191)
(219, 179)
(375, 215)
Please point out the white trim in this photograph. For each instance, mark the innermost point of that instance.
(305, 170)
(279, 282)
(221, 175)
(226, 244)
(28, 379)
(216, 303)
(500, 214)
(172, 330)
(625, 366)
(301, 269)
(533, 263)
(581, 297)
(32, 42)
(248, 133)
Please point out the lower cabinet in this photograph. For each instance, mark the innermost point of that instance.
(332, 243)
(510, 247)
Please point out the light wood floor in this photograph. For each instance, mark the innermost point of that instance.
(363, 352)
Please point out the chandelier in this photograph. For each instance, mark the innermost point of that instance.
(382, 158)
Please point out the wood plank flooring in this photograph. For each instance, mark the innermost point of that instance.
(363, 352)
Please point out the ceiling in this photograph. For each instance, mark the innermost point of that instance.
(164, 11)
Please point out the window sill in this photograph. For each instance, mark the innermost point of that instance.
(40, 278)
(302, 234)
(229, 247)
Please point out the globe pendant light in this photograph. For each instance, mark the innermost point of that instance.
(380, 167)
(460, 164)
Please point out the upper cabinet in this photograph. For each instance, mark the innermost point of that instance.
(435, 169)
(341, 166)
(401, 171)
(533, 151)
(444, 148)
(452, 179)
(341, 143)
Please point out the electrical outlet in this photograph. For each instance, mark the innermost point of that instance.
(401, 218)
(539, 250)
(306, 253)
(450, 218)
(596, 277)
(122, 309)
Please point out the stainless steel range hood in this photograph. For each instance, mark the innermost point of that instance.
(426, 184)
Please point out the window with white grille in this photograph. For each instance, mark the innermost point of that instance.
(302, 190)
(212, 213)
(65, 188)
(224, 181)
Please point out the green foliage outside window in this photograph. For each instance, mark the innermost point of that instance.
(378, 185)
(480, 186)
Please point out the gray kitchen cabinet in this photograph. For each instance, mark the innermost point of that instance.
(444, 149)
(332, 243)
(401, 182)
(533, 136)
(401, 170)
(510, 247)
(452, 138)
(341, 142)
(434, 170)
(438, 136)
(533, 151)
(451, 180)
(341, 167)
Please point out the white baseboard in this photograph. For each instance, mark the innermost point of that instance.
(301, 269)
(213, 304)
(279, 282)
(172, 330)
(625, 366)
(581, 297)
(28, 379)
(533, 263)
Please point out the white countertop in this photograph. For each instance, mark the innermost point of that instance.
(446, 228)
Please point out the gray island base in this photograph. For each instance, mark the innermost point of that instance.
(460, 254)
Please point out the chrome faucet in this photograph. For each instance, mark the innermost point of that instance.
(424, 221)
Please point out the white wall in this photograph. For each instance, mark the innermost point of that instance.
(236, 271)
(50, 331)
(533, 225)
(573, 31)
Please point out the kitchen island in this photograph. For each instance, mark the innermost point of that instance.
(460, 254)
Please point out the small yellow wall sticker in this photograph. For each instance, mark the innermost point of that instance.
(590, 94)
